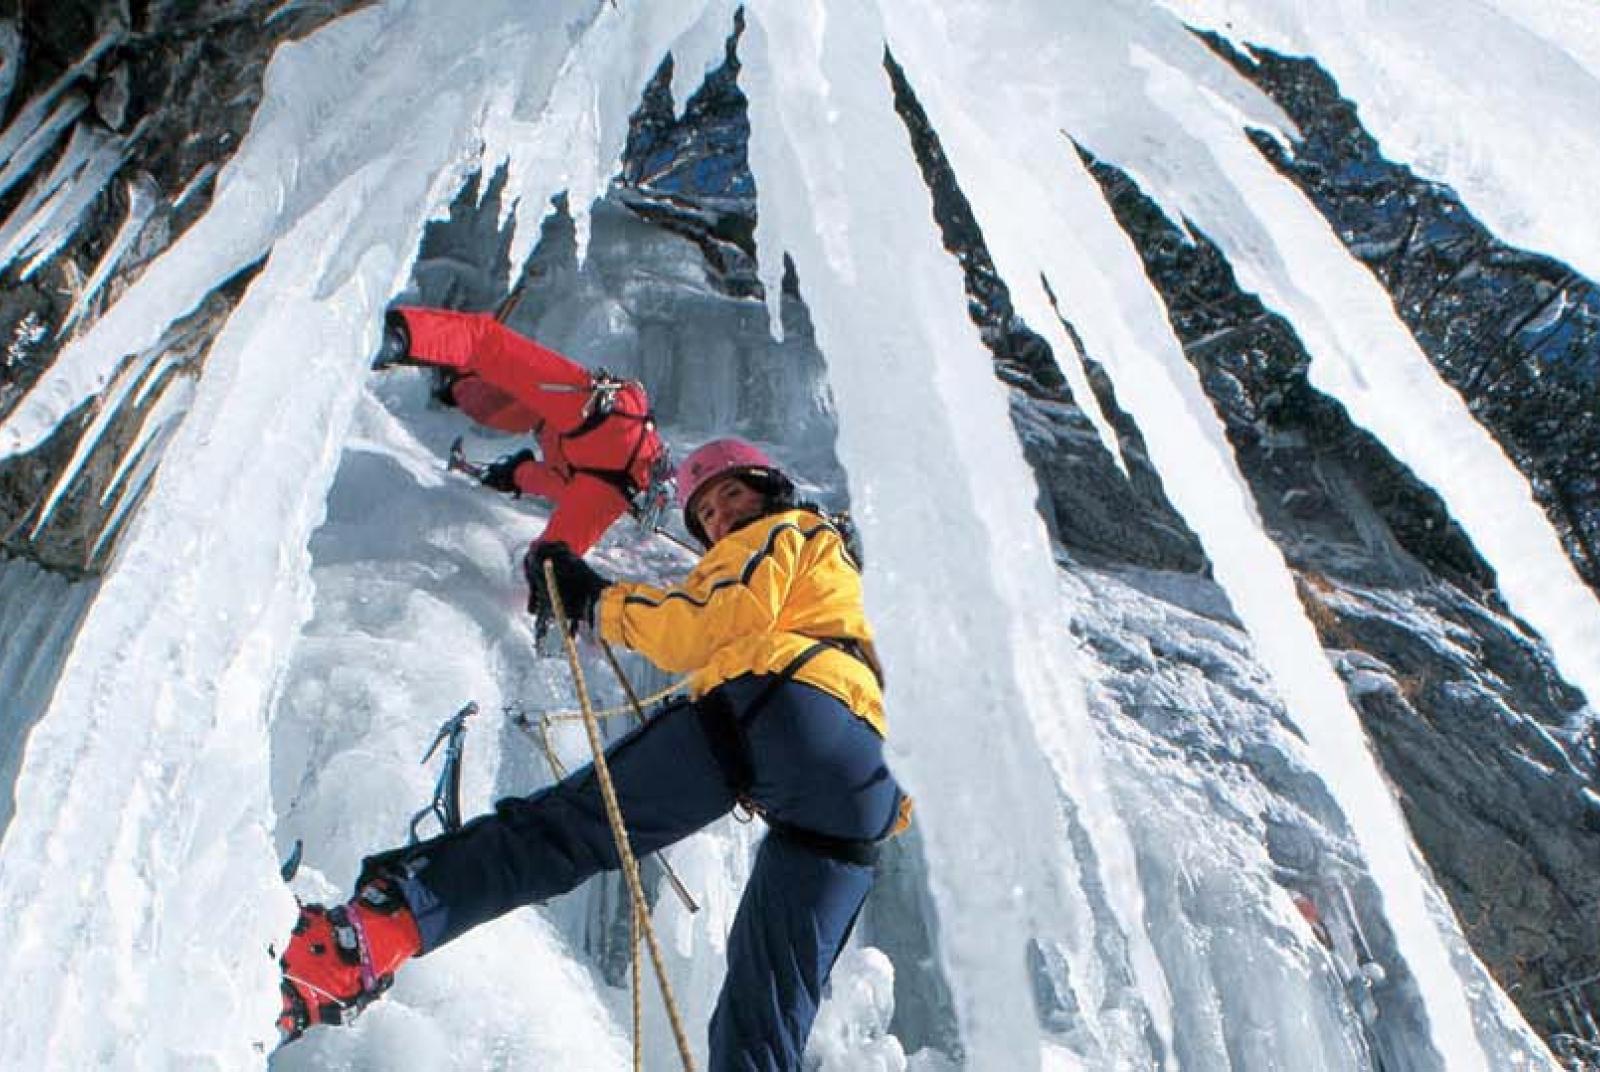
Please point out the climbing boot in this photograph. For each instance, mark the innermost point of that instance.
(339, 960)
(395, 349)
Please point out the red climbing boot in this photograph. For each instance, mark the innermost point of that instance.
(339, 960)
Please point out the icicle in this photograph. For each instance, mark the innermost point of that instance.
(1591, 1030)
(10, 60)
(172, 404)
(43, 139)
(47, 218)
(138, 465)
(110, 408)
(156, 378)
(701, 50)
(27, 121)
(143, 197)
(190, 188)
(68, 209)
(575, 140)
(1076, 369)
(841, 193)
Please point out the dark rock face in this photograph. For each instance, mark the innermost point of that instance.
(690, 172)
(1091, 509)
(1319, 478)
(166, 91)
(1517, 333)
(1470, 719)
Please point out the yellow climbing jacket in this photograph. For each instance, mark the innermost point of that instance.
(762, 597)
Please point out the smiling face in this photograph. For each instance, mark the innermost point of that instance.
(724, 505)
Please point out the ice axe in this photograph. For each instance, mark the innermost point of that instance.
(446, 803)
(460, 463)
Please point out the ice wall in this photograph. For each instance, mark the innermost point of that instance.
(161, 705)
(39, 613)
(256, 580)
(961, 594)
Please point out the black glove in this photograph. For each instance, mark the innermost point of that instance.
(395, 349)
(500, 474)
(578, 584)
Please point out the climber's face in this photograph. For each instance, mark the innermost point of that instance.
(725, 505)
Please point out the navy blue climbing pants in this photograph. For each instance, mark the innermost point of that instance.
(814, 768)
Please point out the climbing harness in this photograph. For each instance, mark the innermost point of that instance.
(726, 732)
(619, 832)
(629, 708)
(648, 503)
(602, 389)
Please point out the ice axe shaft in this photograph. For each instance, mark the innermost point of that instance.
(446, 803)
(460, 463)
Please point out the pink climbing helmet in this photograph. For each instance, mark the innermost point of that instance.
(725, 457)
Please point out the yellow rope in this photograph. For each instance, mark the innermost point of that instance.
(634, 915)
(619, 832)
(558, 770)
(634, 702)
(633, 706)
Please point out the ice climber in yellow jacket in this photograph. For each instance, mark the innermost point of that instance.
(785, 716)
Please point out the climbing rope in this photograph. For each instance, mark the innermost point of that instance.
(540, 733)
(619, 832)
(634, 706)
(634, 702)
(635, 914)
(558, 770)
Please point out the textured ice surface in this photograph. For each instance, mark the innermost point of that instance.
(303, 595)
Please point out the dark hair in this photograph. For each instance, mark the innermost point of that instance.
(769, 484)
(775, 489)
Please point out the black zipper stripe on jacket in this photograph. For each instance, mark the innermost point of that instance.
(762, 555)
(744, 579)
(646, 601)
(850, 646)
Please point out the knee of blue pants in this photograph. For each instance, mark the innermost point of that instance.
(792, 922)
